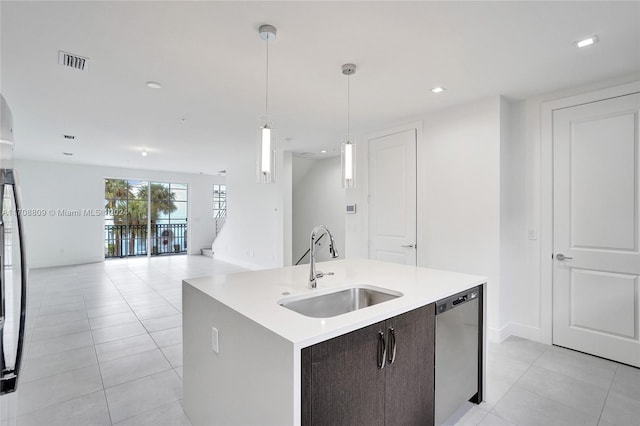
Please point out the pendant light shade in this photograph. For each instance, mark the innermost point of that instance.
(266, 152)
(348, 148)
(348, 154)
(266, 147)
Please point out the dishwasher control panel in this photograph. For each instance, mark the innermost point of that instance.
(457, 299)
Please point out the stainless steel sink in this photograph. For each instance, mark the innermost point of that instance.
(339, 302)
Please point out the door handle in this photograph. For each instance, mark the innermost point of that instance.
(382, 350)
(409, 246)
(392, 346)
(562, 257)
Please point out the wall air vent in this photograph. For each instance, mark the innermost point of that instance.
(73, 61)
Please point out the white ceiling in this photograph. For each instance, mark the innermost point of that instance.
(210, 61)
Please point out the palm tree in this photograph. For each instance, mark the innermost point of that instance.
(116, 193)
(130, 207)
(162, 201)
(137, 221)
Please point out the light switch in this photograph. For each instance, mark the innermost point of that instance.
(214, 340)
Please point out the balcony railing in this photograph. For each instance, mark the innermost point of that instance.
(131, 240)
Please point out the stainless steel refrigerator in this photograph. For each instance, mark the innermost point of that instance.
(13, 276)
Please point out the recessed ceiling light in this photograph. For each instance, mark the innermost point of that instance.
(68, 153)
(587, 41)
(438, 89)
(144, 153)
(154, 85)
(324, 151)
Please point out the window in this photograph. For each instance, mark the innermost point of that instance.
(169, 202)
(142, 214)
(219, 205)
(219, 201)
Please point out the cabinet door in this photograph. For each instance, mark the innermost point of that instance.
(341, 382)
(409, 393)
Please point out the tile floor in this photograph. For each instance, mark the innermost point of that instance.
(104, 347)
(529, 383)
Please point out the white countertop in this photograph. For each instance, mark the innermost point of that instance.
(256, 294)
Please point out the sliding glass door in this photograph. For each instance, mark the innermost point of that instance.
(168, 218)
(145, 218)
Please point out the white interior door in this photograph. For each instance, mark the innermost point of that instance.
(596, 205)
(392, 198)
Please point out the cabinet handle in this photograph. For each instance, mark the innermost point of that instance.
(382, 350)
(392, 346)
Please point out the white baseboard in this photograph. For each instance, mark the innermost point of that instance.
(499, 335)
(528, 332)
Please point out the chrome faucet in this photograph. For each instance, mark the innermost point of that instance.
(313, 275)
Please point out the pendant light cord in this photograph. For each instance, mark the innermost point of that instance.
(266, 98)
(348, 108)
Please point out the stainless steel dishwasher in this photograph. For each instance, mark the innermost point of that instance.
(458, 352)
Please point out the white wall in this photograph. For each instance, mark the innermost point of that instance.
(513, 226)
(253, 233)
(54, 240)
(480, 178)
(529, 309)
(459, 195)
(318, 198)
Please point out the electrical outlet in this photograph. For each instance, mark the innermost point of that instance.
(214, 340)
(533, 234)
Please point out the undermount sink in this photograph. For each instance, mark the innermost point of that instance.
(339, 302)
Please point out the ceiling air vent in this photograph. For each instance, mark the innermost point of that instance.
(73, 61)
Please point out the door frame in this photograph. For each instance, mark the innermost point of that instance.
(363, 176)
(546, 192)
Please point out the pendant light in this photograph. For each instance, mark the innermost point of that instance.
(348, 149)
(266, 150)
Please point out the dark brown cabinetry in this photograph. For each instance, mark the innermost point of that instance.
(382, 374)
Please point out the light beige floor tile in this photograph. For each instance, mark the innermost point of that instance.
(627, 382)
(55, 319)
(88, 410)
(179, 372)
(118, 308)
(167, 415)
(124, 347)
(168, 337)
(60, 388)
(586, 368)
(621, 410)
(524, 408)
(493, 420)
(142, 395)
(173, 354)
(566, 390)
(57, 363)
(60, 344)
(116, 332)
(163, 322)
(59, 330)
(133, 367)
(111, 320)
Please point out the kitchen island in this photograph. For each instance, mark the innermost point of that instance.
(243, 351)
